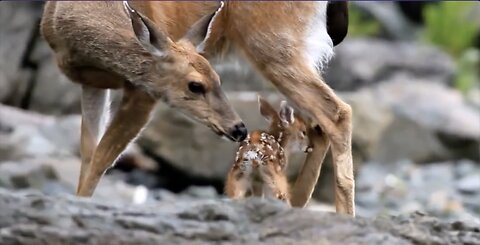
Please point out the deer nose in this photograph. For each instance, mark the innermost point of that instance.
(239, 132)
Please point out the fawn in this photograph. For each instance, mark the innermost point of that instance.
(261, 160)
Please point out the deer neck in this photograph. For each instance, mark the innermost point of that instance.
(281, 136)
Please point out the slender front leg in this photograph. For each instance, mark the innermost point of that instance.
(131, 116)
(308, 176)
(94, 115)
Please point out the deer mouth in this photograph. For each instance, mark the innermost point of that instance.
(220, 132)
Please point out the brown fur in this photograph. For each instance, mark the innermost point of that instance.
(95, 46)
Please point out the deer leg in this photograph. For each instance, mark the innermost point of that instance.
(94, 110)
(298, 79)
(131, 116)
(237, 184)
(307, 178)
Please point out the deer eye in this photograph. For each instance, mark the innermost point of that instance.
(196, 88)
(304, 133)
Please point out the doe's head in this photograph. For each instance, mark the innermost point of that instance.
(287, 126)
(183, 78)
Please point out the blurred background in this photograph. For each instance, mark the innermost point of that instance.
(410, 70)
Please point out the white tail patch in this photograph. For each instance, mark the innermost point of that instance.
(318, 44)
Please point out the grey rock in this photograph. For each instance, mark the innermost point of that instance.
(464, 168)
(17, 175)
(32, 218)
(469, 184)
(364, 62)
(36, 135)
(206, 192)
(18, 24)
(411, 118)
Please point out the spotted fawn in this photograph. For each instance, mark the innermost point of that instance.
(262, 158)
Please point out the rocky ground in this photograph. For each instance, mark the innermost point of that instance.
(450, 190)
(36, 219)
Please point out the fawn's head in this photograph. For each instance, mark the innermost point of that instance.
(183, 78)
(288, 127)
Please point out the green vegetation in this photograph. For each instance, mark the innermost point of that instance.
(360, 24)
(468, 70)
(450, 25)
(447, 25)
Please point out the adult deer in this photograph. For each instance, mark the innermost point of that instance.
(154, 50)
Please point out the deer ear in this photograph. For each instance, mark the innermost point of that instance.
(286, 113)
(149, 36)
(266, 109)
(200, 32)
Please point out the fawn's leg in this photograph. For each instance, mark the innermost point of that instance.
(131, 116)
(237, 184)
(276, 183)
(94, 110)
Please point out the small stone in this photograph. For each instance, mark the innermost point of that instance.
(206, 192)
(464, 167)
(469, 184)
(23, 175)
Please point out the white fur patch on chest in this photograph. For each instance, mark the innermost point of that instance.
(251, 155)
(319, 45)
(247, 160)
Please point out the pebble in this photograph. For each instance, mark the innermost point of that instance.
(469, 184)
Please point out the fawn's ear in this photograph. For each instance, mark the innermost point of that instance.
(149, 36)
(266, 109)
(286, 114)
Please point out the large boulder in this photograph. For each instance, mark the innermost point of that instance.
(29, 76)
(28, 135)
(363, 62)
(35, 219)
(19, 21)
(406, 117)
